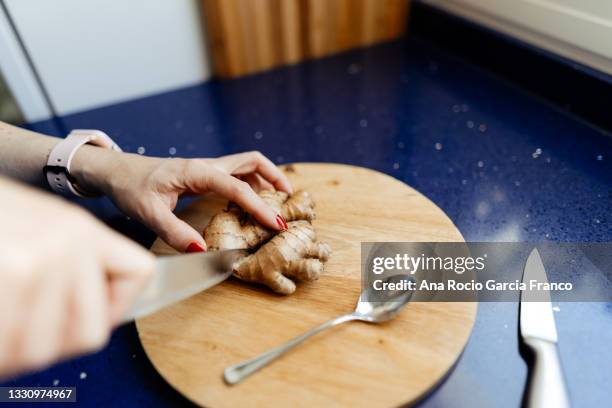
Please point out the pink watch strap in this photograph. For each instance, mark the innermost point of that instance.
(57, 169)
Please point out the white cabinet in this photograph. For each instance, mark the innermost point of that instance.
(580, 30)
(90, 53)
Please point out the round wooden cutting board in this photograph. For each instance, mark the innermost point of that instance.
(355, 364)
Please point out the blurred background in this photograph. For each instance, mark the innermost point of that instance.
(496, 110)
(66, 56)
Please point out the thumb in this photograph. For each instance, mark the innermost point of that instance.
(128, 268)
(176, 232)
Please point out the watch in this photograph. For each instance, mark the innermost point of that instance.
(57, 170)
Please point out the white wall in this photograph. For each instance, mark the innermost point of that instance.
(577, 29)
(18, 75)
(93, 52)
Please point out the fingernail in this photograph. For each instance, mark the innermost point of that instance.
(195, 247)
(280, 221)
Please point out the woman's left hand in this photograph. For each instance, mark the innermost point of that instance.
(148, 188)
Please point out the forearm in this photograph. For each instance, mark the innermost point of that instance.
(23, 153)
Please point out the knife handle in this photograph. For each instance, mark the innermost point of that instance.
(546, 386)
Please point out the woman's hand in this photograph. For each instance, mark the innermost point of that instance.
(148, 188)
(65, 279)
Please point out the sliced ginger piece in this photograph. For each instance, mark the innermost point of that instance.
(291, 254)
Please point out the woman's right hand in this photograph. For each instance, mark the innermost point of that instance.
(65, 279)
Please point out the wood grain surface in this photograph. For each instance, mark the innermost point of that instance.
(247, 36)
(355, 364)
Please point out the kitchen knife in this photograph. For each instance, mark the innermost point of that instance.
(537, 324)
(181, 276)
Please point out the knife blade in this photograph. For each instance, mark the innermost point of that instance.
(181, 276)
(537, 318)
(537, 326)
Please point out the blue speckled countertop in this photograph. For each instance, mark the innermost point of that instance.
(502, 164)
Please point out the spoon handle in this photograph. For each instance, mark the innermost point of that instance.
(236, 373)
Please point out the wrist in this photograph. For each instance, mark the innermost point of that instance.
(93, 168)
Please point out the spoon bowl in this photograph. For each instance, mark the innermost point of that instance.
(384, 305)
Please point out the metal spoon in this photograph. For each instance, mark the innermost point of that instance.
(371, 308)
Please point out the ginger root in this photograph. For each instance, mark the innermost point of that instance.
(277, 256)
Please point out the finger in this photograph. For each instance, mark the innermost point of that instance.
(257, 182)
(243, 195)
(250, 162)
(130, 259)
(271, 173)
(89, 325)
(122, 293)
(174, 231)
(128, 268)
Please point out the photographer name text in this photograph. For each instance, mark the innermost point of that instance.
(471, 286)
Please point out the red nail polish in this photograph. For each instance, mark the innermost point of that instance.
(280, 221)
(195, 247)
